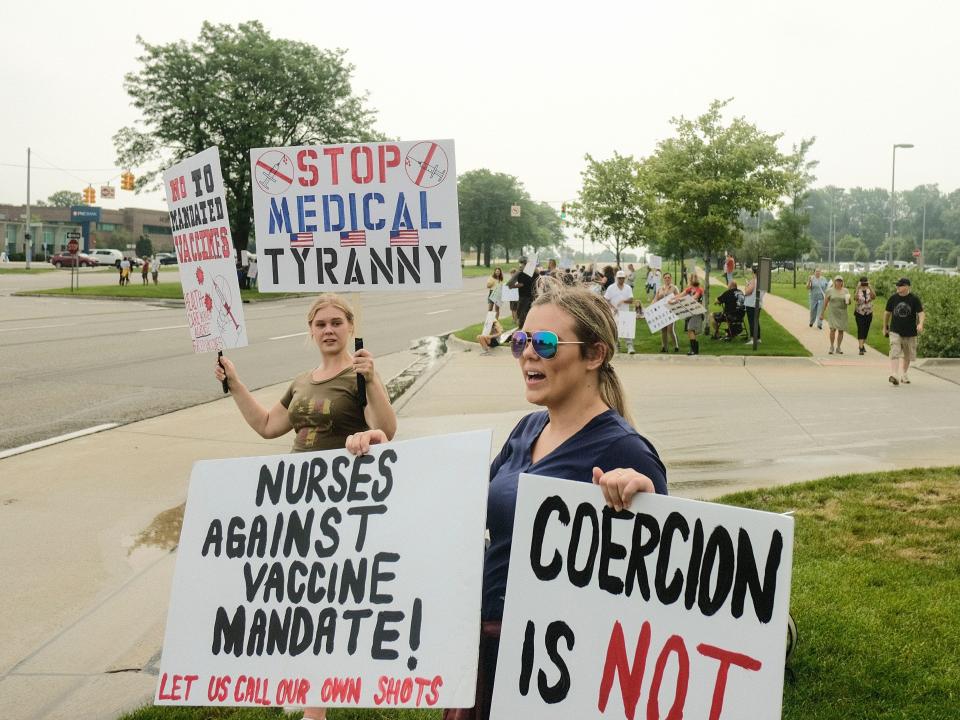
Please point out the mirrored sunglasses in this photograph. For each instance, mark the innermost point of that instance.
(545, 343)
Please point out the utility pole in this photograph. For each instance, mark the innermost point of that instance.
(27, 239)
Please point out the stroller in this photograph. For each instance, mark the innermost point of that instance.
(729, 325)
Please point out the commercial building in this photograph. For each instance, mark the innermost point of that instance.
(99, 228)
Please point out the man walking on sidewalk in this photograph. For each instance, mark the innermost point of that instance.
(817, 285)
(902, 322)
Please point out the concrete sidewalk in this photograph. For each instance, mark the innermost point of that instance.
(87, 526)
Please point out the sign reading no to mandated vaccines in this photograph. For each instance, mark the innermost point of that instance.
(205, 253)
(331, 579)
(669, 609)
(370, 216)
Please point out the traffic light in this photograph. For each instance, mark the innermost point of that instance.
(89, 195)
(126, 181)
(563, 212)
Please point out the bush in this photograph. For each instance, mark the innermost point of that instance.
(940, 296)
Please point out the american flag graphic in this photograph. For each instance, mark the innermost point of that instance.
(353, 238)
(304, 239)
(404, 237)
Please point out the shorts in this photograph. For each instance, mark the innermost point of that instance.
(694, 323)
(903, 347)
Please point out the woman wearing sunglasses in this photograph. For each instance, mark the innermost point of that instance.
(584, 433)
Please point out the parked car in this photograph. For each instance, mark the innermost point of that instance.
(65, 259)
(106, 256)
(165, 258)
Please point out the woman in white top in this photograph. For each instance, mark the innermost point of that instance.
(495, 291)
(750, 304)
(667, 289)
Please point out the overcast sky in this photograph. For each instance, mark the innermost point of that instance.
(524, 88)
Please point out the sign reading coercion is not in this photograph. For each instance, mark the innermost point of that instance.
(330, 579)
(669, 609)
(358, 217)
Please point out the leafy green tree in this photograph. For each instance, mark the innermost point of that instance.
(63, 198)
(852, 248)
(610, 208)
(938, 250)
(237, 88)
(144, 247)
(485, 199)
(708, 172)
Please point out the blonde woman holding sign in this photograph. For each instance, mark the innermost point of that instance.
(584, 433)
(323, 405)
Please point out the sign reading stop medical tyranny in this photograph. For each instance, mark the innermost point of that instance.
(331, 579)
(373, 216)
(207, 261)
(669, 609)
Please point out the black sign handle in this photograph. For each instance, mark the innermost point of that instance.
(226, 388)
(361, 380)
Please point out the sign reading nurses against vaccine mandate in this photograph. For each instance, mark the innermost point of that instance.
(370, 216)
(205, 253)
(671, 608)
(328, 579)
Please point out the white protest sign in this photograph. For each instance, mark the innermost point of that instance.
(488, 322)
(205, 254)
(509, 295)
(371, 216)
(626, 324)
(672, 608)
(663, 312)
(331, 579)
(531, 267)
(654, 262)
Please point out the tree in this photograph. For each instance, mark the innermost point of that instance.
(485, 198)
(708, 172)
(938, 250)
(610, 208)
(852, 248)
(63, 198)
(790, 239)
(144, 247)
(237, 88)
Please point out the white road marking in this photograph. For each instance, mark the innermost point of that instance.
(433, 297)
(437, 312)
(284, 337)
(165, 327)
(37, 327)
(55, 440)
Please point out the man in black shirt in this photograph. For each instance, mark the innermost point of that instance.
(524, 285)
(732, 301)
(902, 323)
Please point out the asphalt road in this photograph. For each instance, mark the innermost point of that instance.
(67, 365)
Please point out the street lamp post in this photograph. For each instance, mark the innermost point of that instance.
(893, 198)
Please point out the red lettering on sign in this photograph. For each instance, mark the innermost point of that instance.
(726, 658)
(308, 167)
(176, 692)
(389, 157)
(367, 162)
(631, 678)
(334, 154)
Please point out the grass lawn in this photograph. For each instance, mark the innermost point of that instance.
(876, 597)
(38, 268)
(163, 291)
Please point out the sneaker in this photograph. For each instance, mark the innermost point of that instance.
(893, 380)
(811, 324)
(904, 380)
(663, 349)
(677, 349)
(631, 351)
(839, 351)
(863, 351)
(691, 352)
(830, 351)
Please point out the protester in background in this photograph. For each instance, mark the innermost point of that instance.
(322, 405)
(596, 284)
(524, 285)
(902, 322)
(619, 296)
(657, 281)
(667, 289)
(494, 291)
(252, 271)
(610, 276)
(145, 271)
(835, 302)
(863, 311)
(693, 324)
(817, 285)
(753, 304)
(491, 339)
(651, 285)
(729, 265)
(584, 434)
(125, 271)
(155, 270)
(631, 275)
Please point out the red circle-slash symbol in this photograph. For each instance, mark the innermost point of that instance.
(426, 164)
(208, 302)
(273, 172)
